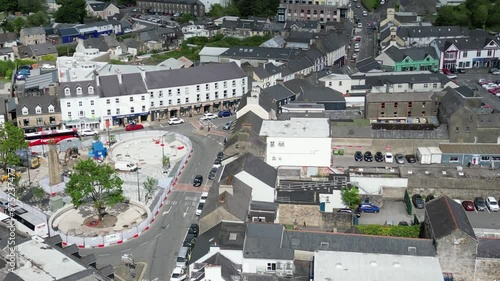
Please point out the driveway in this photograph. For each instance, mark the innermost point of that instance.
(394, 211)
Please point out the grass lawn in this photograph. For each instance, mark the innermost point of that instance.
(370, 4)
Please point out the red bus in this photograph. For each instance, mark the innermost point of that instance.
(43, 137)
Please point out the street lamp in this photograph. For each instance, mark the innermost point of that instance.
(138, 187)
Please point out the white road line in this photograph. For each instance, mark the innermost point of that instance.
(104, 255)
(157, 235)
(144, 243)
(187, 208)
(168, 211)
(127, 250)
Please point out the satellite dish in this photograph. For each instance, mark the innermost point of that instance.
(67, 199)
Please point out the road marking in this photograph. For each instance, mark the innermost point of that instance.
(157, 235)
(187, 203)
(144, 243)
(193, 204)
(104, 255)
(168, 211)
(127, 250)
(174, 202)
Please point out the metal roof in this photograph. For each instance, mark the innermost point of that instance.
(480, 148)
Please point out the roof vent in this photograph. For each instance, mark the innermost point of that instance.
(396, 264)
(373, 263)
(412, 250)
(338, 265)
(232, 236)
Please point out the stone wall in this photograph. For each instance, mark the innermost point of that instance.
(456, 188)
(487, 269)
(393, 193)
(457, 253)
(310, 216)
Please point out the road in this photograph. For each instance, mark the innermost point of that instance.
(159, 245)
(368, 42)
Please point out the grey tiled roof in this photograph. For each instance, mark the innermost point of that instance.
(261, 53)
(279, 92)
(415, 54)
(488, 248)
(194, 75)
(73, 85)
(32, 102)
(249, 119)
(7, 37)
(311, 241)
(367, 65)
(32, 31)
(306, 91)
(253, 166)
(37, 50)
(446, 216)
(469, 43)
(264, 241)
(134, 84)
(431, 31)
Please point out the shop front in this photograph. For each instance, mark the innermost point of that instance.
(83, 123)
(123, 120)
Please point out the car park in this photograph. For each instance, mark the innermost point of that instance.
(349, 211)
(368, 156)
(175, 121)
(199, 208)
(389, 158)
(479, 204)
(204, 197)
(468, 205)
(418, 201)
(212, 173)
(134, 127)
(198, 180)
(400, 159)
(410, 158)
(492, 204)
(224, 113)
(379, 157)
(368, 208)
(227, 126)
(358, 156)
(208, 116)
(88, 132)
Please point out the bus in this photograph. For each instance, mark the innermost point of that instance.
(27, 223)
(43, 137)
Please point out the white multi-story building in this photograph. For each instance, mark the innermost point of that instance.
(298, 142)
(80, 106)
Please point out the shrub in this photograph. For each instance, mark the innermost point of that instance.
(391, 230)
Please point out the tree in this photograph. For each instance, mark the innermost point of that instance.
(38, 193)
(150, 185)
(8, 6)
(480, 16)
(232, 10)
(216, 11)
(18, 24)
(11, 140)
(100, 183)
(31, 6)
(49, 58)
(71, 11)
(165, 162)
(38, 19)
(350, 197)
(259, 8)
(186, 17)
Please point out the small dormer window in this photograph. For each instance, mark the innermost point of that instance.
(91, 90)
(51, 109)
(25, 111)
(38, 109)
(78, 90)
(67, 91)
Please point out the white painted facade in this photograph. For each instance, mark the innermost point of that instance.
(453, 57)
(253, 106)
(86, 106)
(336, 55)
(124, 105)
(338, 82)
(260, 190)
(265, 266)
(373, 185)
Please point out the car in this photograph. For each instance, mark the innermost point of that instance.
(198, 180)
(26, 66)
(368, 156)
(178, 274)
(461, 70)
(429, 197)
(194, 229)
(208, 116)
(410, 158)
(88, 132)
(360, 25)
(495, 71)
(357, 39)
(368, 208)
(365, 13)
(382, 2)
(451, 76)
(204, 197)
(388, 158)
(354, 55)
(358, 6)
(379, 157)
(224, 113)
(24, 72)
(20, 77)
(220, 155)
(134, 127)
(217, 162)
(227, 126)
(356, 46)
(400, 159)
(480, 204)
(200, 208)
(125, 166)
(175, 121)
(190, 240)
(212, 173)
(349, 211)
(492, 204)
(358, 156)
(418, 201)
(48, 66)
(468, 205)
(403, 223)
(446, 71)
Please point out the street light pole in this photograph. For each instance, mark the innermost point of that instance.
(138, 190)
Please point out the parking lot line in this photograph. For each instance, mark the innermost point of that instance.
(488, 210)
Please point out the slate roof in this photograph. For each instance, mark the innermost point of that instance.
(97, 43)
(70, 31)
(415, 54)
(253, 166)
(265, 101)
(37, 30)
(267, 70)
(300, 37)
(279, 92)
(41, 81)
(310, 241)
(132, 84)
(249, 119)
(305, 196)
(431, 31)
(228, 268)
(332, 42)
(469, 43)
(275, 42)
(388, 78)
(446, 216)
(264, 241)
(99, 6)
(31, 102)
(268, 210)
(73, 85)
(7, 37)
(368, 64)
(308, 92)
(488, 248)
(219, 236)
(421, 7)
(261, 53)
(36, 50)
(208, 73)
(309, 24)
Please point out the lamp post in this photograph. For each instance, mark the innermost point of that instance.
(138, 187)
(162, 151)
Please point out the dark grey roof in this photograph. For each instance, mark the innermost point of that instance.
(228, 268)
(310, 241)
(468, 43)
(415, 54)
(7, 37)
(265, 101)
(98, 43)
(308, 92)
(267, 210)
(431, 31)
(31, 102)
(267, 70)
(300, 37)
(132, 43)
(109, 86)
(134, 84)
(309, 195)
(289, 115)
(207, 73)
(488, 248)
(99, 6)
(73, 85)
(220, 236)
(446, 216)
(309, 24)
(69, 31)
(332, 42)
(249, 119)
(253, 166)
(368, 64)
(421, 7)
(36, 50)
(29, 31)
(41, 81)
(279, 92)
(388, 78)
(264, 241)
(261, 53)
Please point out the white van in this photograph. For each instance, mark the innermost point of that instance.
(125, 166)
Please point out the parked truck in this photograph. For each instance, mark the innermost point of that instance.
(424, 156)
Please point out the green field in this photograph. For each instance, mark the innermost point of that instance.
(370, 4)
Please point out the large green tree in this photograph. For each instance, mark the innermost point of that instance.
(480, 16)
(39, 18)
(71, 11)
(216, 11)
(96, 182)
(11, 140)
(31, 6)
(8, 5)
(350, 197)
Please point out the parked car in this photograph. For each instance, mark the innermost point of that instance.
(204, 197)
(461, 70)
(48, 66)
(358, 156)
(212, 173)
(26, 66)
(225, 113)
(418, 201)
(492, 204)
(198, 180)
(403, 223)
(20, 77)
(410, 158)
(446, 71)
(451, 76)
(178, 274)
(217, 162)
(468, 205)
(495, 71)
(365, 13)
(200, 208)
(368, 208)
(379, 157)
(220, 155)
(349, 211)
(194, 229)
(480, 204)
(88, 132)
(190, 240)
(227, 126)
(125, 166)
(208, 116)
(400, 159)
(389, 158)
(134, 127)
(368, 156)
(175, 121)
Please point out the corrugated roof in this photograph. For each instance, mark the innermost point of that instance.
(481, 148)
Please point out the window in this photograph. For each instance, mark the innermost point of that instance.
(91, 102)
(281, 143)
(465, 54)
(25, 111)
(108, 101)
(197, 88)
(131, 98)
(216, 85)
(92, 112)
(467, 129)
(39, 121)
(161, 103)
(78, 90)
(81, 113)
(457, 129)
(186, 90)
(169, 102)
(478, 54)
(143, 97)
(132, 110)
(207, 87)
(51, 109)
(470, 118)
(423, 104)
(382, 105)
(198, 97)
(80, 103)
(69, 115)
(425, 85)
(340, 83)
(108, 111)
(271, 143)
(152, 95)
(234, 83)
(225, 93)
(330, 83)
(485, 158)
(395, 104)
(178, 91)
(187, 100)
(68, 104)
(152, 104)
(410, 104)
(234, 92)
(225, 84)
(117, 111)
(490, 53)
(453, 159)
(67, 91)
(216, 94)
(243, 81)
(271, 267)
(434, 86)
(207, 96)
(143, 108)
(400, 86)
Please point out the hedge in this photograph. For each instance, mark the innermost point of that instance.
(394, 230)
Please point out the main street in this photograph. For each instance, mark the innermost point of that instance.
(158, 246)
